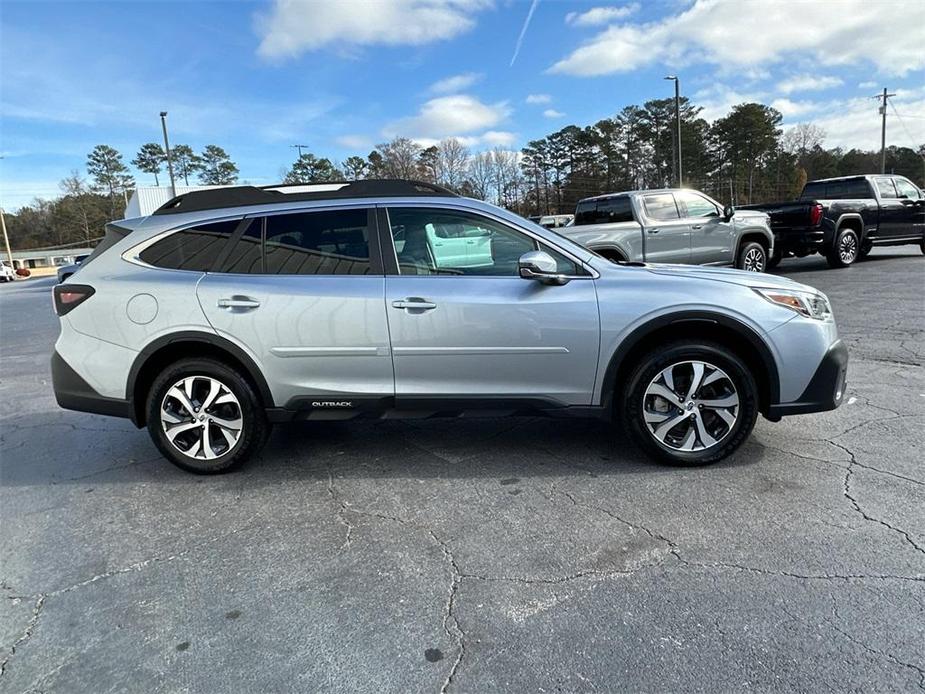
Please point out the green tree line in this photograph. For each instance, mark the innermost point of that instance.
(743, 157)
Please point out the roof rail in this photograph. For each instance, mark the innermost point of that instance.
(238, 196)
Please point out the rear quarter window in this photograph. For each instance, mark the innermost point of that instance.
(194, 249)
(606, 211)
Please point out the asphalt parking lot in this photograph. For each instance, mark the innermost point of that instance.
(475, 555)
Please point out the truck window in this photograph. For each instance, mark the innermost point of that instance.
(906, 189)
(605, 211)
(697, 205)
(857, 189)
(885, 186)
(661, 207)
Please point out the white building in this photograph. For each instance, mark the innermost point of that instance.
(147, 199)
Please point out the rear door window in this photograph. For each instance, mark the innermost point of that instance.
(330, 242)
(605, 211)
(885, 187)
(661, 207)
(195, 248)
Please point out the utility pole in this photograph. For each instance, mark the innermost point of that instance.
(677, 117)
(300, 148)
(6, 240)
(173, 186)
(884, 97)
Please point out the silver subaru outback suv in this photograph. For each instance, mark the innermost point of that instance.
(232, 309)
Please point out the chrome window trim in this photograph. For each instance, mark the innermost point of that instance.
(593, 274)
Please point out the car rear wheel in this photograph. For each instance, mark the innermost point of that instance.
(752, 257)
(845, 250)
(204, 417)
(691, 403)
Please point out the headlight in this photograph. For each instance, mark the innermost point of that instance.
(809, 304)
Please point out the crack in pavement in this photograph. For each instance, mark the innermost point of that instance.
(27, 632)
(791, 574)
(874, 651)
(41, 598)
(449, 613)
(849, 472)
(341, 510)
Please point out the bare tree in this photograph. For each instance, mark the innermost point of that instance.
(802, 138)
(399, 158)
(481, 175)
(452, 163)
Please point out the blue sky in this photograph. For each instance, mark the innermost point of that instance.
(342, 76)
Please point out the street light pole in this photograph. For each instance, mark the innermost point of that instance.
(173, 185)
(677, 117)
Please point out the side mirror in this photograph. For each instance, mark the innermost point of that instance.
(728, 212)
(542, 267)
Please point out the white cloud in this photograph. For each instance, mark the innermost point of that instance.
(496, 138)
(353, 141)
(538, 98)
(456, 83)
(870, 84)
(293, 27)
(856, 123)
(449, 116)
(552, 113)
(807, 83)
(792, 108)
(600, 15)
(718, 99)
(735, 34)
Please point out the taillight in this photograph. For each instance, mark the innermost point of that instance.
(70, 296)
(815, 215)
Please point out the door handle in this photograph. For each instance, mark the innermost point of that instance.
(654, 230)
(414, 303)
(238, 302)
(697, 226)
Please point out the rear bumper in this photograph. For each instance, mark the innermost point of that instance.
(793, 240)
(73, 393)
(826, 389)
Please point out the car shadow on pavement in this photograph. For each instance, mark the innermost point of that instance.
(795, 266)
(76, 449)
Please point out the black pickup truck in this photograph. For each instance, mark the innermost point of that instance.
(843, 218)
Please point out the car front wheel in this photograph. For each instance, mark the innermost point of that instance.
(691, 403)
(204, 417)
(752, 257)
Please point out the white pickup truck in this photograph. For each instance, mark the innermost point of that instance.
(672, 226)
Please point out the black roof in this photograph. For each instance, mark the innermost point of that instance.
(237, 196)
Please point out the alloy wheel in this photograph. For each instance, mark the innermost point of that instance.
(690, 406)
(848, 248)
(201, 417)
(754, 260)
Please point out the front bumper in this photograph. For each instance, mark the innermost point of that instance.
(825, 390)
(73, 393)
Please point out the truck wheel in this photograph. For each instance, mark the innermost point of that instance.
(752, 257)
(845, 250)
(204, 417)
(690, 403)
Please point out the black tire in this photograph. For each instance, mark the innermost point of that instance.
(652, 364)
(752, 257)
(254, 426)
(845, 250)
